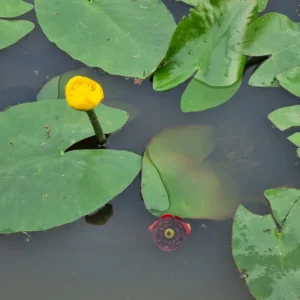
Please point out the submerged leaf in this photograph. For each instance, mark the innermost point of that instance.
(122, 37)
(43, 186)
(178, 178)
(276, 35)
(269, 257)
(203, 43)
(199, 96)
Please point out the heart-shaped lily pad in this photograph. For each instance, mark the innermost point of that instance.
(266, 249)
(276, 35)
(43, 186)
(179, 179)
(12, 31)
(203, 43)
(122, 37)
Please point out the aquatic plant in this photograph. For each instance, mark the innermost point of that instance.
(12, 31)
(266, 249)
(178, 178)
(44, 182)
(84, 94)
(122, 37)
(285, 118)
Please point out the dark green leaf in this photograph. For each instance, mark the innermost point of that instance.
(122, 37)
(203, 43)
(276, 35)
(262, 4)
(41, 185)
(269, 257)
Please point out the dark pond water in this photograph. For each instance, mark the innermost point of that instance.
(119, 260)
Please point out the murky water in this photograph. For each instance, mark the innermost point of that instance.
(119, 260)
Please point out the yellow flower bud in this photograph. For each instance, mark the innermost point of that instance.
(83, 93)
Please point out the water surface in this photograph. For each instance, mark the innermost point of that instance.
(119, 260)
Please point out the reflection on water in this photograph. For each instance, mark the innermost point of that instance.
(119, 260)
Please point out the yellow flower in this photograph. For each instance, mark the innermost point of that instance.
(83, 93)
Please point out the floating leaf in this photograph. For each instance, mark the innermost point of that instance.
(290, 80)
(202, 43)
(13, 31)
(52, 90)
(266, 254)
(199, 96)
(122, 37)
(286, 117)
(191, 2)
(43, 186)
(276, 35)
(14, 8)
(262, 5)
(178, 178)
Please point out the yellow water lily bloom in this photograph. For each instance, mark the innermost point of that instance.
(83, 93)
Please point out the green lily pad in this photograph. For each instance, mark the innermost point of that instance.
(286, 117)
(43, 186)
(290, 80)
(122, 37)
(202, 43)
(276, 35)
(266, 254)
(199, 96)
(179, 179)
(295, 139)
(12, 31)
(262, 4)
(14, 8)
(52, 90)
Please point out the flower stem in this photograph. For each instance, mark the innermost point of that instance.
(97, 127)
